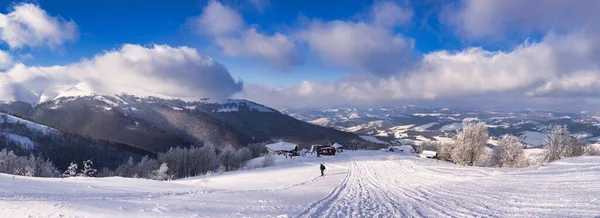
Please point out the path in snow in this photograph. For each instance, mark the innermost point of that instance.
(358, 184)
(405, 189)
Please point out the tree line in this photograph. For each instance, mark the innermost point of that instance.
(470, 148)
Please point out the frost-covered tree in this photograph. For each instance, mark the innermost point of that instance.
(469, 144)
(428, 145)
(26, 165)
(258, 149)
(71, 170)
(561, 144)
(444, 151)
(511, 152)
(243, 155)
(208, 160)
(126, 169)
(228, 158)
(161, 173)
(88, 169)
(145, 168)
(193, 161)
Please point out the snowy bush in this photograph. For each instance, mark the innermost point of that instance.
(267, 160)
(593, 150)
(88, 169)
(562, 145)
(489, 157)
(511, 152)
(71, 170)
(428, 145)
(444, 151)
(161, 173)
(26, 165)
(126, 169)
(469, 144)
(145, 168)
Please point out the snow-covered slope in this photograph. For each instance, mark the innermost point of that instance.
(356, 184)
(374, 140)
(24, 141)
(533, 139)
(452, 127)
(425, 126)
(29, 124)
(233, 105)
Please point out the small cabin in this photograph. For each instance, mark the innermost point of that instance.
(326, 151)
(338, 147)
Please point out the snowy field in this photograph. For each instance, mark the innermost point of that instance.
(357, 184)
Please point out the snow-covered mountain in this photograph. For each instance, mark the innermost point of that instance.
(412, 123)
(157, 124)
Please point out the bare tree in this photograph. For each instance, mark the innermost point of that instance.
(470, 143)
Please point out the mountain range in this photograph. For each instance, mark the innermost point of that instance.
(414, 124)
(153, 124)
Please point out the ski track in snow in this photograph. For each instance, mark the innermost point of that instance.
(405, 189)
(366, 185)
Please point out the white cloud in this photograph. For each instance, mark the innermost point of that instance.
(368, 46)
(229, 31)
(389, 14)
(558, 65)
(29, 25)
(277, 49)
(159, 70)
(585, 83)
(218, 20)
(485, 20)
(6, 60)
(260, 5)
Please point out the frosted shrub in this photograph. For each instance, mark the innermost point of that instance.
(444, 151)
(511, 152)
(161, 173)
(562, 145)
(71, 170)
(267, 160)
(469, 144)
(26, 165)
(88, 169)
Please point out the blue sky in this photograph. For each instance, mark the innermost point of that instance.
(106, 25)
(306, 53)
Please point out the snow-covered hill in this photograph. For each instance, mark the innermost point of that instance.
(356, 184)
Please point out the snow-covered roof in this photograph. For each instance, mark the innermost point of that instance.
(428, 153)
(336, 145)
(281, 146)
